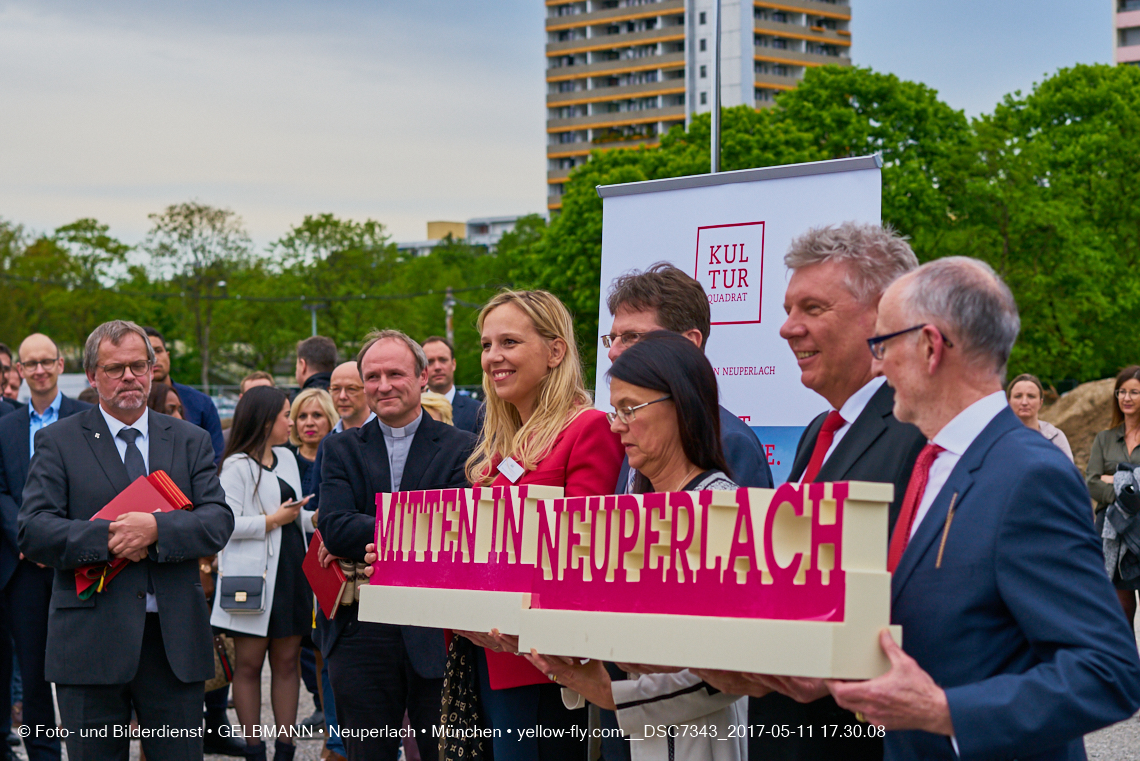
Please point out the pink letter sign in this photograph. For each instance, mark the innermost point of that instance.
(789, 581)
(455, 558)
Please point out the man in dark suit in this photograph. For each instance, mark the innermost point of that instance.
(838, 276)
(378, 671)
(25, 587)
(465, 411)
(1014, 642)
(197, 408)
(316, 358)
(6, 367)
(665, 298)
(144, 642)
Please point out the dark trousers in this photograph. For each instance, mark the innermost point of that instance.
(373, 683)
(24, 604)
(776, 709)
(160, 700)
(526, 708)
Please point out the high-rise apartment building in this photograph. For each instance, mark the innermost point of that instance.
(620, 73)
(1127, 28)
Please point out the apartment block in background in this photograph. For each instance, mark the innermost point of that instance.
(621, 73)
(1127, 43)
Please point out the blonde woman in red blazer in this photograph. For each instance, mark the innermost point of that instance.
(540, 417)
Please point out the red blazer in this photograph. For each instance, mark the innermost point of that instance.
(585, 461)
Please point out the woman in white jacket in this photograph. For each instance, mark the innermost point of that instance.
(263, 488)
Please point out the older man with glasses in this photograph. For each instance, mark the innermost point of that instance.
(143, 642)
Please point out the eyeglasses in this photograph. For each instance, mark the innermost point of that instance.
(629, 339)
(1127, 393)
(334, 390)
(878, 349)
(138, 369)
(628, 414)
(31, 365)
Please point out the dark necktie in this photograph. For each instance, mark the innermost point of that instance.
(832, 423)
(136, 466)
(915, 488)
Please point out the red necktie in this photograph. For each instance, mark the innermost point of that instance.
(831, 424)
(914, 491)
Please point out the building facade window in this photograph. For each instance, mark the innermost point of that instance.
(704, 71)
(701, 17)
(704, 45)
(704, 99)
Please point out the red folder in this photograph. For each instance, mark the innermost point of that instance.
(155, 493)
(327, 583)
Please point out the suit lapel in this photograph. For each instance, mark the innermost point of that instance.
(161, 444)
(25, 425)
(425, 445)
(957, 486)
(372, 439)
(864, 430)
(98, 437)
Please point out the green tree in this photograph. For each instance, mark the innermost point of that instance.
(199, 247)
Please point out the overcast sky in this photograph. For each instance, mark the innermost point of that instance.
(402, 112)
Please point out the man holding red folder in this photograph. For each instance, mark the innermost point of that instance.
(144, 642)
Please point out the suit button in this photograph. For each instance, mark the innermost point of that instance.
(142, 595)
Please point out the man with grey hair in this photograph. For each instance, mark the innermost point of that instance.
(838, 276)
(1015, 645)
(142, 642)
(379, 671)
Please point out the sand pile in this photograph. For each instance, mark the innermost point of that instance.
(1082, 414)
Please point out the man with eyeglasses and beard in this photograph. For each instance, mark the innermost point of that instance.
(143, 643)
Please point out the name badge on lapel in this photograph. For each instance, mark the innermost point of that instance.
(511, 469)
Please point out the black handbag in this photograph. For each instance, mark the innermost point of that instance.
(242, 594)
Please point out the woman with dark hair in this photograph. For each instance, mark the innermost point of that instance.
(666, 406)
(165, 399)
(664, 394)
(262, 484)
(1116, 445)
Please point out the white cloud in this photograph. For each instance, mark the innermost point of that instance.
(282, 111)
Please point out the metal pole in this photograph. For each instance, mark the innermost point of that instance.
(715, 141)
(449, 310)
(313, 313)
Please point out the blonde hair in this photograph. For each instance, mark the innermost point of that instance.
(431, 401)
(562, 395)
(324, 399)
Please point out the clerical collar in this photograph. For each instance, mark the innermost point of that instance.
(401, 433)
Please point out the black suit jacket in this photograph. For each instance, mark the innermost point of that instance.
(354, 469)
(75, 473)
(7, 406)
(876, 448)
(14, 457)
(467, 413)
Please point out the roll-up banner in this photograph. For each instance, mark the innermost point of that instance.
(730, 231)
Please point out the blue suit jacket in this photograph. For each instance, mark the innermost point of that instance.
(199, 409)
(1019, 624)
(467, 413)
(742, 450)
(14, 459)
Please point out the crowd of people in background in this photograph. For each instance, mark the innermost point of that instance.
(1015, 644)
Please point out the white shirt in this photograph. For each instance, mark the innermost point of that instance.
(451, 394)
(142, 425)
(850, 411)
(956, 437)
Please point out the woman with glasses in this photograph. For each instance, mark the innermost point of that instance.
(165, 399)
(1116, 445)
(540, 428)
(664, 394)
